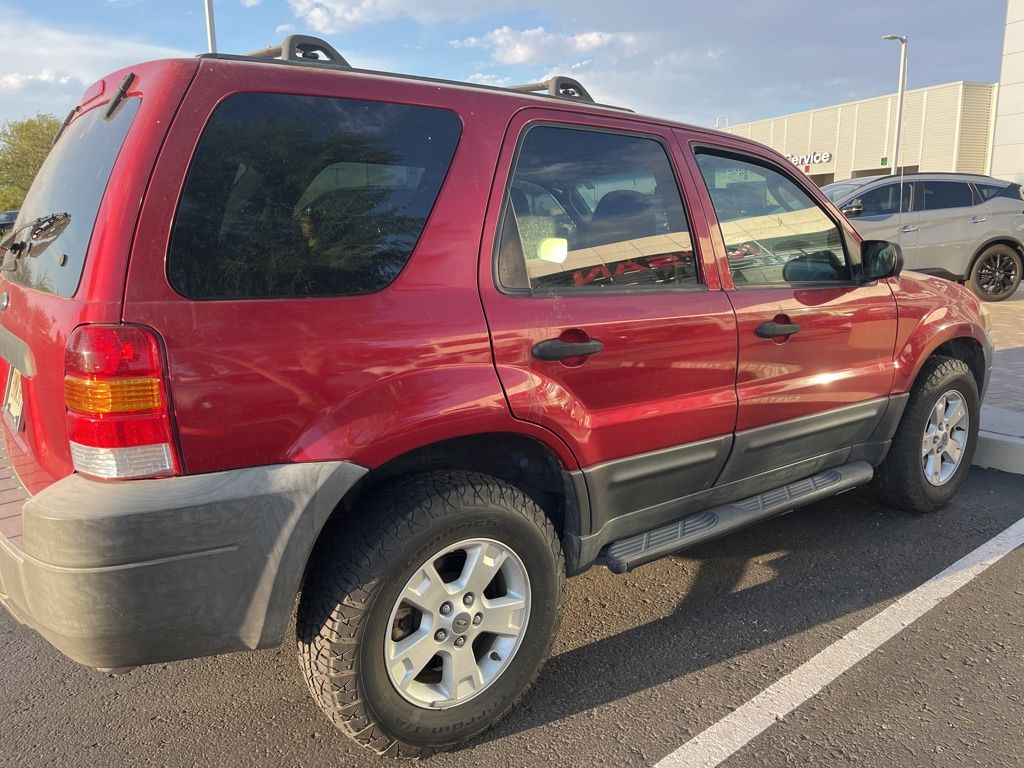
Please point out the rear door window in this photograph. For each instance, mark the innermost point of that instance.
(60, 209)
(594, 210)
(939, 195)
(296, 196)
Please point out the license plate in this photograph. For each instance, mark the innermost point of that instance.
(13, 400)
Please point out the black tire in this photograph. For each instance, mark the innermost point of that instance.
(996, 273)
(359, 570)
(900, 481)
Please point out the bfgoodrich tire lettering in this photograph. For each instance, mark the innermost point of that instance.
(900, 481)
(360, 569)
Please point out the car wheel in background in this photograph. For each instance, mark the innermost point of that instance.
(996, 273)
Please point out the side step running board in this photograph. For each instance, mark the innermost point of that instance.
(626, 554)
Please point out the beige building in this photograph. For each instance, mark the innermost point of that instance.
(945, 128)
(1008, 152)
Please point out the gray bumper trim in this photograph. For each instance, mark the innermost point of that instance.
(119, 574)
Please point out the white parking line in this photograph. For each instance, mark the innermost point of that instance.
(730, 734)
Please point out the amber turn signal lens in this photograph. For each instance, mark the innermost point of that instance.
(112, 395)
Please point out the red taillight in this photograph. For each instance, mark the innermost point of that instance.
(115, 390)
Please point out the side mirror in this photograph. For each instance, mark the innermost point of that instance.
(880, 259)
(854, 209)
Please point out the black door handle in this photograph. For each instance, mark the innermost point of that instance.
(771, 329)
(556, 349)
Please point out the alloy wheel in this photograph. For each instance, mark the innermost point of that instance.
(457, 623)
(997, 274)
(945, 438)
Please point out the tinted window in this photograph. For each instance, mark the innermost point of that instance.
(988, 191)
(593, 210)
(1014, 192)
(773, 230)
(307, 196)
(937, 195)
(71, 182)
(836, 192)
(885, 200)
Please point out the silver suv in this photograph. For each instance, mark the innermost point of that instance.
(958, 226)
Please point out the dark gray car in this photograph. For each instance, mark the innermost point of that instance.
(7, 219)
(958, 226)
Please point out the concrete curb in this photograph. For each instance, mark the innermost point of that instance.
(1001, 452)
(1001, 440)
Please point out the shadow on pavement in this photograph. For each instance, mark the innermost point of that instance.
(833, 559)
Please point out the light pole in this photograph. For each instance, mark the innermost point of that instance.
(211, 33)
(899, 97)
(719, 119)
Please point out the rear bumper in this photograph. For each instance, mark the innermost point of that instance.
(121, 574)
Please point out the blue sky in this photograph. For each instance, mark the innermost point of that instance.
(677, 58)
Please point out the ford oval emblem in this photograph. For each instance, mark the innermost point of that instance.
(5, 301)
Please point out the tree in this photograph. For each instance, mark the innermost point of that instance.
(24, 145)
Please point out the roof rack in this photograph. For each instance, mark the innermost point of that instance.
(308, 50)
(303, 48)
(564, 87)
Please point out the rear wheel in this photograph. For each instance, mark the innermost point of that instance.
(996, 273)
(933, 447)
(428, 613)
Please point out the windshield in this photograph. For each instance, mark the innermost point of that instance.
(836, 192)
(58, 214)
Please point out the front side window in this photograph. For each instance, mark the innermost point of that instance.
(774, 231)
(885, 201)
(939, 195)
(296, 196)
(590, 209)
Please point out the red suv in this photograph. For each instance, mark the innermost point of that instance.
(411, 352)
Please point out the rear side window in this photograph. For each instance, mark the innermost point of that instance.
(296, 196)
(593, 210)
(1014, 192)
(938, 195)
(988, 191)
(60, 209)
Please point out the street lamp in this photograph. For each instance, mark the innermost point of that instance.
(211, 33)
(718, 121)
(899, 97)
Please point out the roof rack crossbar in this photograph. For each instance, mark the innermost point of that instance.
(564, 87)
(303, 48)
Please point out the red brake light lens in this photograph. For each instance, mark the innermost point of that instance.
(103, 350)
(119, 422)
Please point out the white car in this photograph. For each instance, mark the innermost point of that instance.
(957, 226)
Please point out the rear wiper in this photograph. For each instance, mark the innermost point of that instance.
(39, 228)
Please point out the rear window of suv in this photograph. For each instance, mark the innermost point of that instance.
(300, 196)
(65, 198)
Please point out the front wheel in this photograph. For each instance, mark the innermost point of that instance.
(427, 615)
(996, 273)
(932, 450)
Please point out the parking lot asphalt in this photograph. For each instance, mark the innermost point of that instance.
(643, 663)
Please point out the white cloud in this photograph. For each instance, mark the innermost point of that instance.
(481, 78)
(537, 45)
(329, 16)
(251, 3)
(283, 29)
(54, 84)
